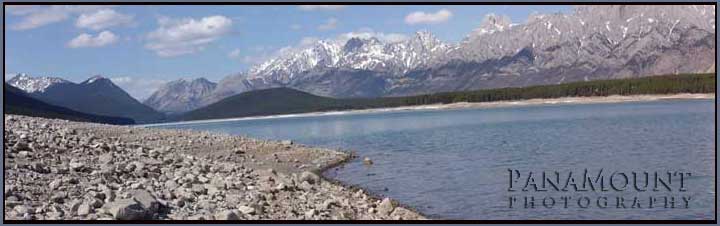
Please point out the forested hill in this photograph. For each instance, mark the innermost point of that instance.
(289, 101)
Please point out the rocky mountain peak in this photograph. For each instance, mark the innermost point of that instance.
(493, 23)
(32, 84)
(180, 95)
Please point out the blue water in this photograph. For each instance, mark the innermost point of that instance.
(453, 164)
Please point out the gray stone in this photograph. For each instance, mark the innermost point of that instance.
(84, 209)
(147, 200)
(246, 209)
(309, 177)
(227, 215)
(127, 209)
(367, 161)
(385, 207)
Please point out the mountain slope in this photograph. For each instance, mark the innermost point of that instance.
(262, 102)
(18, 102)
(180, 95)
(96, 95)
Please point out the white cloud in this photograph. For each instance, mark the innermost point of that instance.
(296, 26)
(87, 40)
(420, 17)
(177, 37)
(328, 25)
(234, 54)
(369, 33)
(320, 7)
(139, 88)
(38, 16)
(306, 41)
(102, 19)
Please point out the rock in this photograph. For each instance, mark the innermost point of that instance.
(385, 207)
(227, 215)
(21, 146)
(74, 205)
(76, 165)
(405, 214)
(55, 184)
(310, 213)
(96, 203)
(328, 203)
(106, 158)
(58, 197)
(367, 161)
(246, 210)
(309, 177)
(127, 209)
(84, 209)
(287, 142)
(199, 189)
(147, 200)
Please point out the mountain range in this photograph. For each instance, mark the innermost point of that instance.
(18, 102)
(595, 42)
(96, 95)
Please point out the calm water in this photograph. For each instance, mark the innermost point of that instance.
(454, 163)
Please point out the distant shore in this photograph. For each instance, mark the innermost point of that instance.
(459, 105)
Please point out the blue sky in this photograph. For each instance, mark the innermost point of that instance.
(141, 47)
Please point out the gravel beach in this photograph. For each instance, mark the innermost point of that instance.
(62, 170)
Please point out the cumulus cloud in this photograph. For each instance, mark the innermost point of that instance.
(87, 40)
(175, 37)
(38, 16)
(139, 88)
(420, 17)
(328, 25)
(102, 19)
(320, 7)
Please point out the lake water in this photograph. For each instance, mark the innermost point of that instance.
(454, 164)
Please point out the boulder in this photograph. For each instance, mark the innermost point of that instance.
(147, 200)
(228, 215)
(127, 209)
(309, 177)
(386, 207)
(246, 210)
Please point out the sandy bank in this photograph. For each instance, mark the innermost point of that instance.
(460, 105)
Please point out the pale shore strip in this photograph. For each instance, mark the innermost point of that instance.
(468, 105)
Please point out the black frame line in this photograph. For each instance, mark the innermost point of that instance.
(363, 2)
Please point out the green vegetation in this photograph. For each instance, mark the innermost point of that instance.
(288, 101)
(18, 103)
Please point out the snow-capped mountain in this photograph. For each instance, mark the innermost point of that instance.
(303, 67)
(593, 42)
(31, 84)
(180, 95)
(357, 53)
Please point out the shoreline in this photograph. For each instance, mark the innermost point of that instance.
(106, 172)
(460, 105)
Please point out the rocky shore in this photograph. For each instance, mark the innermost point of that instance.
(61, 170)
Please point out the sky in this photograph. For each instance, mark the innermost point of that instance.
(142, 47)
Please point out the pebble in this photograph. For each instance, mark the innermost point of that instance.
(69, 170)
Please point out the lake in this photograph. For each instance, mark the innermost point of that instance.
(456, 164)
